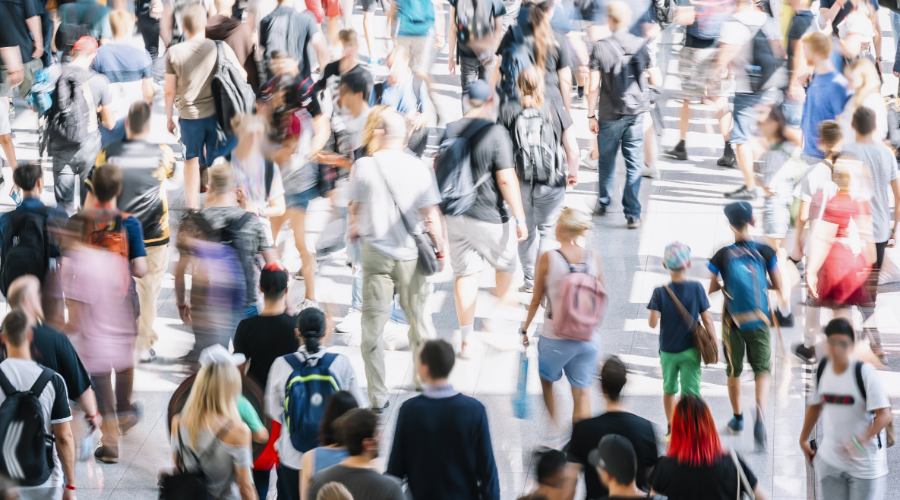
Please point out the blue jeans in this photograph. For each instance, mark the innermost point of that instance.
(627, 132)
(200, 132)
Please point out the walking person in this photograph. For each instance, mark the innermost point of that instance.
(826, 96)
(474, 66)
(415, 27)
(616, 463)
(331, 449)
(238, 35)
(291, 31)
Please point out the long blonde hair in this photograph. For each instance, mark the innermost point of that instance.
(371, 142)
(871, 83)
(543, 33)
(214, 394)
(531, 87)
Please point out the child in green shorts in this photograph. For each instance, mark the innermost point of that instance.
(677, 353)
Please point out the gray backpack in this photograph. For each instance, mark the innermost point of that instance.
(537, 149)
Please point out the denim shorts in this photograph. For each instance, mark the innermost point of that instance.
(195, 134)
(777, 220)
(746, 117)
(301, 200)
(578, 360)
(793, 113)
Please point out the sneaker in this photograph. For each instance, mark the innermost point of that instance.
(374, 61)
(381, 410)
(586, 160)
(785, 321)
(464, 352)
(581, 92)
(528, 288)
(147, 356)
(759, 431)
(677, 154)
(600, 209)
(351, 323)
(303, 304)
(633, 222)
(735, 425)
(106, 455)
(743, 193)
(650, 171)
(727, 159)
(807, 354)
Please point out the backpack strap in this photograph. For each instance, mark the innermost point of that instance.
(292, 360)
(684, 312)
(6, 386)
(41, 382)
(92, 108)
(327, 359)
(242, 221)
(270, 176)
(820, 370)
(860, 383)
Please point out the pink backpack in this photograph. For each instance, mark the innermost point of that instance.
(582, 302)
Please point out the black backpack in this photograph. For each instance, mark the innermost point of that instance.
(535, 146)
(73, 117)
(861, 385)
(27, 455)
(630, 89)
(765, 70)
(77, 27)
(231, 94)
(665, 12)
(516, 57)
(453, 169)
(473, 19)
(25, 246)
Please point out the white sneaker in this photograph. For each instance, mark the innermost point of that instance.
(351, 323)
(586, 160)
(650, 171)
(396, 336)
(146, 355)
(307, 303)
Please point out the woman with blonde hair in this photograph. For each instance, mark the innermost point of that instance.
(556, 354)
(208, 435)
(866, 86)
(334, 491)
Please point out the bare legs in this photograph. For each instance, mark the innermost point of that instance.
(581, 398)
(298, 224)
(192, 183)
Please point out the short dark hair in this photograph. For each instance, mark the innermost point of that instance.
(549, 464)
(613, 376)
(138, 117)
(107, 182)
(840, 326)
(15, 327)
(26, 176)
(338, 404)
(439, 357)
(356, 83)
(863, 120)
(354, 427)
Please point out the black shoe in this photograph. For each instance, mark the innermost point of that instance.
(742, 194)
(106, 455)
(581, 92)
(381, 410)
(677, 154)
(807, 354)
(727, 159)
(785, 321)
(600, 209)
(633, 222)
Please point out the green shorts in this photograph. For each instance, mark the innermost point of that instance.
(757, 343)
(685, 362)
(29, 69)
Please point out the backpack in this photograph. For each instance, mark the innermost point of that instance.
(40, 97)
(746, 287)
(535, 147)
(73, 118)
(231, 93)
(453, 170)
(890, 432)
(665, 12)
(27, 456)
(630, 88)
(228, 235)
(474, 20)
(26, 248)
(516, 57)
(76, 27)
(308, 389)
(765, 71)
(710, 15)
(583, 301)
(105, 230)
(178, 8)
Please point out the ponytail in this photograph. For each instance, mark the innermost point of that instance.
(543, 33)
(311, 341)
(311, 326)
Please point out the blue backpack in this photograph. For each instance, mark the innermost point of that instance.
(453, 170)
(746, 288)
(308, 389)
(516, 57)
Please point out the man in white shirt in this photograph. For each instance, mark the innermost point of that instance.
(851, 462)
(21, 373)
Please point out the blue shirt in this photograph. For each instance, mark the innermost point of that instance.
(825, 100)
(674, 332)
(56, 218)
(123, 63)
(403, 98)
(135, 232)
(416, 17)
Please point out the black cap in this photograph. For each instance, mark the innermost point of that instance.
(616, 456)
(739, 213)
(273, 279)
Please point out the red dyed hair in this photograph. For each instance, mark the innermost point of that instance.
(694, 440)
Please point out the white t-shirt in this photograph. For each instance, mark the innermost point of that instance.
(816, 188)
(22, 374)
(857, 23)
(875, 102)
(846, 414)
(740, 31)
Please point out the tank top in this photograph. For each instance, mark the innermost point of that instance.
(557, 269)
(326, 457)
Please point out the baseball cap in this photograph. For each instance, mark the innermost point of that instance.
(739, 213)
(616, 456)
(218, 354)
(479, 90)
(273, 278)
(85, 44)
(676, 256)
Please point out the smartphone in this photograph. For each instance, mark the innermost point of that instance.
(813, 445)
(16, 194)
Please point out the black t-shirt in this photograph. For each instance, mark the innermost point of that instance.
(287, 30)
(13, 30)
(587, 434)
(331, 79)
(557, 58)
(263, 339)
(491, 151)
(683, 482)
(717, 262)
(605, 59)
(497, 9)
(693, 42)
(55, 351)
(801, 23)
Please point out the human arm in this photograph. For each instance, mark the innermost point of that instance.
(184, 309)
(508, 183)
(318, 43)
(147, 90)
(34, 27)
(108, 116)
(65, 449)
(495, 75)
(451, 42)
(593, 96)
(714, 285)
(573, 470)
(307, 465)
(322, 131)
(537, 294)
(876, 21)
(707, 320)
(239, 435)
(571, 146)
(171, 82)
(433, 221)
(653, 319)
(895, 187)
(439, 24)
(726, 55)
(565, 86)
(799, 70)
(828, 14)
(809, 421)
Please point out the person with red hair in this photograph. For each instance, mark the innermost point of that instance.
(696, 467)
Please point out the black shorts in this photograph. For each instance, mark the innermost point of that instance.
(369, 5)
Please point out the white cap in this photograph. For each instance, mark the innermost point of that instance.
(218, 354)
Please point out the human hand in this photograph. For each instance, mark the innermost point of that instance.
(439, 42)
(451, 65)
(68, 494)
(353, 233)
(38, 51)
(808, 452)
(811, 281)
(421, 120)
(93, 423)
(185, 313)
(796, 93)
(651, 30)
(15, 78)
(585, 73)
(441, 262)
(571, 179)
(170, 125)
(878, 65)
(521, 232)
(525, 341)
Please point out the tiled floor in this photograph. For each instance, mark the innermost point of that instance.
(685, 204)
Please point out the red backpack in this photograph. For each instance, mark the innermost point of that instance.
(583, 300)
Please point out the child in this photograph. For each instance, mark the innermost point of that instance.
(551, 475)
(677, 353)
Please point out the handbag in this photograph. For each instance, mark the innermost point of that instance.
(185, 485)
(743, 485)
(428, 261)
(703, 340)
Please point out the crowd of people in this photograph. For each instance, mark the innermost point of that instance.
(273, 108)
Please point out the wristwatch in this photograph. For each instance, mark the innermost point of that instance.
(879, 59)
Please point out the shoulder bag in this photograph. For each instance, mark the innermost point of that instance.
(185, 485)
(743, 484)
(704, 341)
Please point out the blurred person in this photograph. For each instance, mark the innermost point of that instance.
(310, 328)
(865, 86)
(238, 35)
(389, 255)
(291, 31)
(617, 420)
(851, 461)
(23, 27)
(814, 190)
(145, 167)
(53, 349)
(860, 35)
(735, 54)
(616, 464)
(208, 435)
(190, 67)
(678, 355)
(72, 161)
(19, 373)
(331, 449)
(442, 443)
(618, 124)
(543, 177)
(360, 431)
(129, 71)
(259, 183)
(407, 92)
(832, 13)
(148, 13)
(803, 22)
(556, 352)
(745, 321)
(826, 95)
(551, 479)
(93, 14)
(334, 491)
(474, 65)
(415, 27)
(695, 466)
(484, 231)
